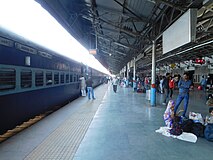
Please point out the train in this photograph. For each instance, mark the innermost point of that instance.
(35, 79)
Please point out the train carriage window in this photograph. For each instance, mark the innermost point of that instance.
(71, 78)
(7, 79)
(74, 78)
(62, 77)
(56, 78)
(67, 78)
(49, 80)
(77, 78)
(39, 78)
(26, 78)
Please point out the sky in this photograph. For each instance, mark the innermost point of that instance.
(28, 19)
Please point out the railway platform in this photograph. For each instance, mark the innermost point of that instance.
(114, 126)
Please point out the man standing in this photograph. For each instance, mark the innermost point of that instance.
(115, 84)
(184, 86)
(203, 83)
(90, 90)
(166, 87)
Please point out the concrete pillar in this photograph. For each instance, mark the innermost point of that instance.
(127, 75)
(134, 70)
(153, 86)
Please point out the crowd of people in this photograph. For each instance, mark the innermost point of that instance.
(87, 87)
(166, 85)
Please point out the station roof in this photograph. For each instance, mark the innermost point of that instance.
(123, 29)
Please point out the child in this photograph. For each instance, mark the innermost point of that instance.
(209, 118)
(169, 113)
(208, 132)
(209, 102)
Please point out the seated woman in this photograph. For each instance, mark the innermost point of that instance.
(169, 113)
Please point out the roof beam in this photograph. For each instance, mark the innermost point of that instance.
(115, 42)
(139, 17)
(128, 16)
(171, 4)
(120, 52)
(134, 34)
(110, 54)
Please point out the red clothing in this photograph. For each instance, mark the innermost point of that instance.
(171, 83)
(146, 80)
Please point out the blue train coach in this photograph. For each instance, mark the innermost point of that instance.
(34, 79)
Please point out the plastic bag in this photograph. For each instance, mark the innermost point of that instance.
(196, 117)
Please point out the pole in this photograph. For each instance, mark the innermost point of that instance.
(96, 41)
(153, 86)
(134, 69)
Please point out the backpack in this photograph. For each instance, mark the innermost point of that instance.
(208, 132)
(198, 129)
(176, 129)
(176, 126)
(187, 125)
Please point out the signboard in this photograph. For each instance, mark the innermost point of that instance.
(181, 32)
(93, 51)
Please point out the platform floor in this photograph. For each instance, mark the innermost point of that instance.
(115, 126)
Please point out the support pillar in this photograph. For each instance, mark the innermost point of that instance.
(127, 71)
(134, 70)
(153, 86)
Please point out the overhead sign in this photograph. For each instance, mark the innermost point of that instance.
(181, 32)
(25, 48)
(6, 42)
(93, 51)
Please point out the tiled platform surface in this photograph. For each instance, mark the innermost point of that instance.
(124, 129)
(115, 126)
(57, 136)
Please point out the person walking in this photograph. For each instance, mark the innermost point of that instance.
(134, 85)
(203, 83)
(157, 82)
(90, 90)
(115, 84)
(166, 87)
(146, 83)
(161, 84)
(83, 86)
(184, 86)
(171, 86)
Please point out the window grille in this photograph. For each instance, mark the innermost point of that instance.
(49, 78)
(71, 78)
(7, 79)
(56, 78)
(62, 77)
(39, 77)
(26, 78)
(67, 78)
(74, 78)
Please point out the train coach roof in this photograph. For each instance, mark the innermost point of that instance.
(17, 38)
